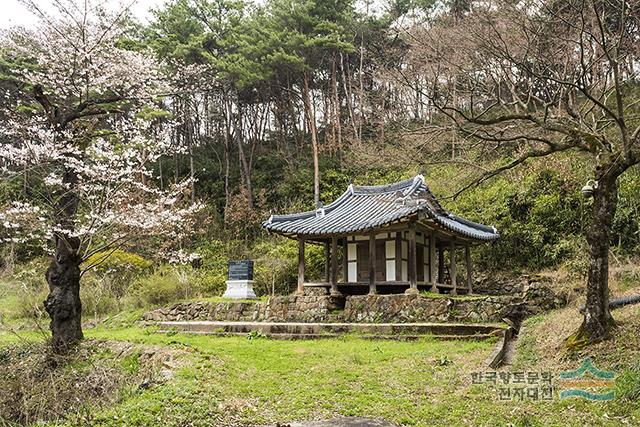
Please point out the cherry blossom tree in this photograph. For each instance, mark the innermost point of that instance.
(81, 128)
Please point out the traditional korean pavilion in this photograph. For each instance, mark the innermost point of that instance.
(393, 238)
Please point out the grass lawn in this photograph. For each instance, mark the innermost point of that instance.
(237, 381)
(240, 381)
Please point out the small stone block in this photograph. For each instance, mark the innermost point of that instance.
(240, 289)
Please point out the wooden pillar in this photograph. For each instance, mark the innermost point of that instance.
(433, 269)
(300, 290)
(467, 255)
(452, 268)
(398, 256)
(334, 267)
(372, 263)
(412, 264)
(345, 260)
(327, 261)
(441, 263)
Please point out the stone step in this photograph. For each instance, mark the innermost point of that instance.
(398, 337)
(309, 330)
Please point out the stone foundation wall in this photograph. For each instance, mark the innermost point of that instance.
(358, 308)
(302, 308)
(416, 308)
(226, 310)
(499, 285)
(539, 297)
(533, 297)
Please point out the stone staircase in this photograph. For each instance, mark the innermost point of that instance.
(298, 330)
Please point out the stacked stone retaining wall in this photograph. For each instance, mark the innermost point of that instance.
(533, 296)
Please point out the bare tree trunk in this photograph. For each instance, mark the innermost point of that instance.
(311, 122)
(329, 135)
(160, 172)
(597, 317)
(361, 90)
(336, 107)
(348, 94)
(244, 164)
(227, 137)
(177, 141)
(191, 163)
(63, 275)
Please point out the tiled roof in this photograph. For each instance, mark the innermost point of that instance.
(362, 208)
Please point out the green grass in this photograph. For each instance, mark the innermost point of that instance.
(20, 301)
(239, 381)
(10, 304)
(264, 381)
(8, 336)
(526, 352)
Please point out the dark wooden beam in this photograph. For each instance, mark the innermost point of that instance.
(300, 290)
(441, 264)
(372, 263)
(333, 280)
(345, 260)
(467, 255)
(452, 268)
(327, 261)
(398, 256)
(433, 268)
(412, 264)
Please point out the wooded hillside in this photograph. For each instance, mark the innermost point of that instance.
(273, 108)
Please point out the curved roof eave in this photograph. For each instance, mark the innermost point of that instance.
(369, 207)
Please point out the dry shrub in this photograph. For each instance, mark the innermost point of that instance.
(624, 280)
(566, 282)
(541, 341)
(38, 386)
(624, 277)
(241, 220)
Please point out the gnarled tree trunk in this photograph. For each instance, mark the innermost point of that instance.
(63, 302)
(63, 275)
(597, 317)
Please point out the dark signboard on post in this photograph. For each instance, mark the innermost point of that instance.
(241, 270)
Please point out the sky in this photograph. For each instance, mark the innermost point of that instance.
(14, 13)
